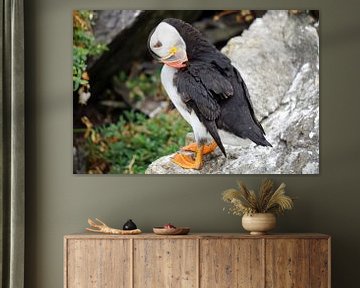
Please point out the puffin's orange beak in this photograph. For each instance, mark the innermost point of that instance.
(176, 58)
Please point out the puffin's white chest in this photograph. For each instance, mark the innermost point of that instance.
(167, 80)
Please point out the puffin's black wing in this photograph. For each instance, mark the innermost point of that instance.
(202, 87)
(247, 95)
(224, 66)
(203, 84)
(237, 113)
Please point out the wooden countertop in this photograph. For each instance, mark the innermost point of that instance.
(88, 235)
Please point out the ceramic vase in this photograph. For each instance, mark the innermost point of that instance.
(259, 223)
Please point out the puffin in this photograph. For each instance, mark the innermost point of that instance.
(206, 89)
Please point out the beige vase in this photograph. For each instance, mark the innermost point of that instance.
(259, 223)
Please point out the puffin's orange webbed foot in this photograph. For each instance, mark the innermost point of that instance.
(188, 162)
(206, 150)
(185, 161)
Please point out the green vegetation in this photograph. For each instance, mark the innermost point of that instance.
(143, 85)
(131, 144)
(84, 45)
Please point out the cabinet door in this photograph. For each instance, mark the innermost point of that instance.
(231, 263)
(165, 263)
(98, 263)
(287, 263)
(320, 263)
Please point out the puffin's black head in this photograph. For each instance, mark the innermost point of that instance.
(166, 45)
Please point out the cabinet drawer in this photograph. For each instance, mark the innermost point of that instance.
(98, 263)
(165, 263)
(231, 263)
(297, 263)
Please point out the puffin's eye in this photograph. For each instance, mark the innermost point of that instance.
(158, 44)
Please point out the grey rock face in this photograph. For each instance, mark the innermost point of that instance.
(278, 57)
(109, 23)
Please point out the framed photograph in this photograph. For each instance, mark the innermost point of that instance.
(195, 92)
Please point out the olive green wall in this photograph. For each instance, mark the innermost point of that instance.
(59, 203)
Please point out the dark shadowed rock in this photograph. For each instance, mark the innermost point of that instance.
(278, 58)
